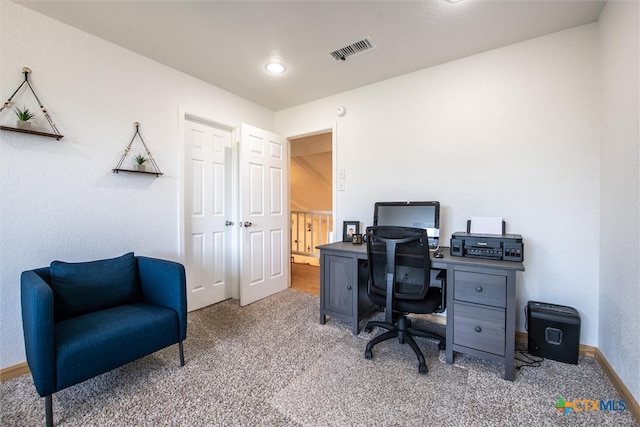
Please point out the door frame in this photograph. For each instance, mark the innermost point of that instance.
(234, 266)
(184, 115)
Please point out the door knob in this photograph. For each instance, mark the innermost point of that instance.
(247, 224)
(228, 223)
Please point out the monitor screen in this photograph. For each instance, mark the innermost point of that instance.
(411, 214)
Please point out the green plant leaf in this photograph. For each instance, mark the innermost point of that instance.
(140, 159)
(24, 114)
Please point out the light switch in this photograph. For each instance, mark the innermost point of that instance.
(341, 185)
(341, 173)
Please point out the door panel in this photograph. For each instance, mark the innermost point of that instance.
(276, 253)
(263, 214)
(256, 260)
(256, 190)
(207, 207)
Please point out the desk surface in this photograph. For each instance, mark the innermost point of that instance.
(447, 259)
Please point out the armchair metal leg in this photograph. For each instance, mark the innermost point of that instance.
(181, 353)
(48, 408)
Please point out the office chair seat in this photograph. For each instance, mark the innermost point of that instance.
(402, 252)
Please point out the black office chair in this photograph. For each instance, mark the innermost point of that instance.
(399, 280)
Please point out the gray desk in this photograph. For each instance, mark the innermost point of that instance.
(481, 299)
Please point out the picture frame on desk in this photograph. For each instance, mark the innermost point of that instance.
(349, 228)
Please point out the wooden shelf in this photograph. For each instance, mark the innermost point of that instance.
(132, 171)
(152, 163)
(32, 132)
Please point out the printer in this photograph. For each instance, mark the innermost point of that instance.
(505, 247)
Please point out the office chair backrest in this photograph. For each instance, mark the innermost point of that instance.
(399, 260)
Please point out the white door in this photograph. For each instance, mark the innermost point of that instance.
(264, 214)
(207, 204)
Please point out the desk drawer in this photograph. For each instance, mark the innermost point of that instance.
(480, 288)
(478, 327)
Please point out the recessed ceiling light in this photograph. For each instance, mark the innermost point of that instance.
(275, 68)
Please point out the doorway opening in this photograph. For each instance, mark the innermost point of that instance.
(311, 206)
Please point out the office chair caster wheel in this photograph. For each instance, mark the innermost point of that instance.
(368, 354)
(442, 346)
(367, 329)
(422, 368)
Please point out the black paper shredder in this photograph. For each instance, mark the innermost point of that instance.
(554, 331)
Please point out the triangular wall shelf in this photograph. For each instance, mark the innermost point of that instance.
(149, 158)
(55, 134)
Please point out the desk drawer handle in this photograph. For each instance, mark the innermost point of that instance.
(479, 288)
(478, 329)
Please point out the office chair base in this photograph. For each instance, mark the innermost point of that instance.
(405, 333)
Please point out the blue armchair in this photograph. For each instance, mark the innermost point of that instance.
(81, 320)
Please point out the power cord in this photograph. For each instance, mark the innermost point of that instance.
(528, 361)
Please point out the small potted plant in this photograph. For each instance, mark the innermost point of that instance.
(24, 116)
(140, 159)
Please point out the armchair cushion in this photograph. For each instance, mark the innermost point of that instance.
(85, 287)
(101, 341)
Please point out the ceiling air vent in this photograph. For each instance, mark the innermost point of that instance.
(353, 49)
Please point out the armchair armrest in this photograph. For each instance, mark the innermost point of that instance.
(164, 283)
(39, 329)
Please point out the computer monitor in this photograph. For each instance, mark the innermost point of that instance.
(411, 214)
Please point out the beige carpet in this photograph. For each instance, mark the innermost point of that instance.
(273, 364)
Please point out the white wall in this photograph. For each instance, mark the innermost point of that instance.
(59, 199)
(512, 132)
(619, 337)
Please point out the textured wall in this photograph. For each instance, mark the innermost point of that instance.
(619, 337)
(511, 132)
(59, 199)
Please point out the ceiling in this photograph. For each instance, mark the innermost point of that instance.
(228, 43)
